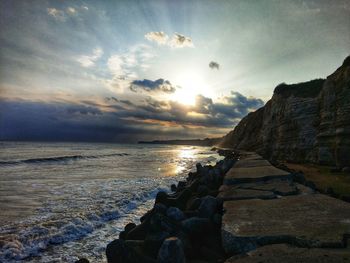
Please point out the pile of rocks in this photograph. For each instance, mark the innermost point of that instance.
(182, 226)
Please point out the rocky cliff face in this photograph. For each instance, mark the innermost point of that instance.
(305, 122)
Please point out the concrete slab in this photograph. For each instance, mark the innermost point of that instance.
(278, 187)
(288, 254)
(254, 174)
(228, 192)
(306, 220)
(250, 156)
(251, 163)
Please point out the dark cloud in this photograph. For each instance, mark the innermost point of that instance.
(207, 113)
(161, 85)
(122, 120)
(81, 109)
(214, 65)
(126, 102)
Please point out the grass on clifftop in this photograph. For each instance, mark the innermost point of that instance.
(324, 178)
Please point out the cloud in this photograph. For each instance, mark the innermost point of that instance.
(126, 66)
(115, 64)
(214, 65)
(236, 105)
(205, 113)
(59, 15)
(176, 41)
(71, 10)
(159, 37)
(85, 110)
(180, 41)
(88, 61)
(122, 120)
(159, 85)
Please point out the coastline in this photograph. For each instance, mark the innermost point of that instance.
(173, 228)
(200, 220)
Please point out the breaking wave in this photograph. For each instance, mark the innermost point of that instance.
(59, 159)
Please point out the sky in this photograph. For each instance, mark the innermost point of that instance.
(129, 70)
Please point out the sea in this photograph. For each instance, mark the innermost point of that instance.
(63, 201)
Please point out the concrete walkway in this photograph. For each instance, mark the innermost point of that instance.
(265, 207)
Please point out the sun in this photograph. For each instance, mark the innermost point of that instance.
(191, 84)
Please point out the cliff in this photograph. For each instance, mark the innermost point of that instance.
(304, 122)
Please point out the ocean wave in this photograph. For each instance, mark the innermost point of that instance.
(30, 239)
(66, 158)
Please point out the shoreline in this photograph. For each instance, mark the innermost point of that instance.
(199, 221)
(172, 229)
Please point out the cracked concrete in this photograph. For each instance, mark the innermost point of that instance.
(263, 206)
(289, 254)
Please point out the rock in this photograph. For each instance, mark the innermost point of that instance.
(193, 204)
(208, 206)
(160, 223)
(217, 219)
(226, 165)
(196, 225)
(181, 185)
(153, 242)
(116, 251)
(179, 202)
(140, 231)
(129, 227)
(171, 251)
(82, 260)
(189, 214)
(161, 197)
(173, 188)
(119, 251)
(346, 170)
(160, 208)
(175, 214)
(202, 190)
(199, 167)
(122, 235)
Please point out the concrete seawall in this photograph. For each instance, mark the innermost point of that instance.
(269, 217)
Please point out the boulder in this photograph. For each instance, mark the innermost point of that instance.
(208, 206)
(129, 227)
(153, 241)
(171, 251)
(173, 188)
(175, 214)
(196, 225)
(125, 251)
